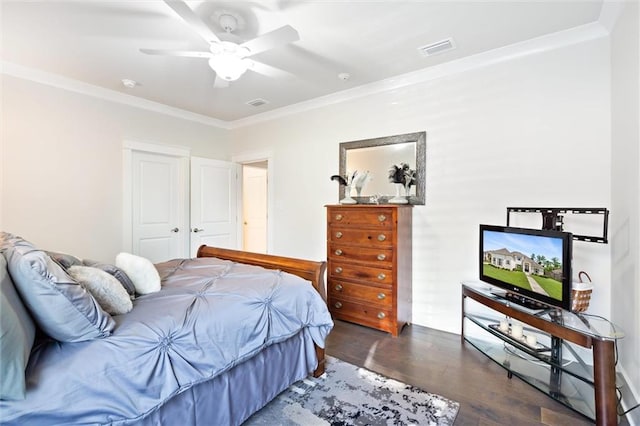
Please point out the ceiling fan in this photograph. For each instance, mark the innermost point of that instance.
(229, 60)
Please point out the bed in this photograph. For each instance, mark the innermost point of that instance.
(227, 332)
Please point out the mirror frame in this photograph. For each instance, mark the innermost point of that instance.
(420, 138)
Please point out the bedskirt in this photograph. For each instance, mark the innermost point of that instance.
(232, 397)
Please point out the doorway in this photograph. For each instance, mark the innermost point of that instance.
(255, 205)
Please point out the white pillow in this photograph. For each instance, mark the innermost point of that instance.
(105, 288)
(143, 274)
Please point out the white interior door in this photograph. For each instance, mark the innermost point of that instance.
(254, 207)
(214, 217)
(159, 200)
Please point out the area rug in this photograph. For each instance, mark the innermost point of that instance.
(351, 395)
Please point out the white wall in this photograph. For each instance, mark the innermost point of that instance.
(62, 164)
(625, 181)
(531, 131)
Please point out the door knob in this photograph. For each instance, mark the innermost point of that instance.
(175, 230)
(197, 229)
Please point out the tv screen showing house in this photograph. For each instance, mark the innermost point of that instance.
(529, 262)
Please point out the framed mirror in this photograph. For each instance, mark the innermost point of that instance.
(377, 156)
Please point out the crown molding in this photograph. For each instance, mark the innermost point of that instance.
(609, 14)
(536, 45)
(591, 31)
(55, 80)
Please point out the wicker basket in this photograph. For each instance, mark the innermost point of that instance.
(581, 293)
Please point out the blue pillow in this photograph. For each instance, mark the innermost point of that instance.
(118, 273)
(60, 306)
(65, 260)
(17, 332)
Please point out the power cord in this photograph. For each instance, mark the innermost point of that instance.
(624, 413)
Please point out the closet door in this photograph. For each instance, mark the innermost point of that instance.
(214, 210)
(159, 206)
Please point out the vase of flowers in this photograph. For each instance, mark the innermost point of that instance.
(360, 179)
(403, 177)
(347, 182)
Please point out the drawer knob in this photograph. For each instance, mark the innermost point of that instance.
(338, 305)
(338, 217)
(382, 256)
(382, 296)
(338, 287)
(338, 234)
(382, 237)
(338, 252)
(382, 218)
(339, 270)
(381, 276)
(381, 315)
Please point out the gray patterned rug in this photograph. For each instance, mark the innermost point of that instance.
(350, 395)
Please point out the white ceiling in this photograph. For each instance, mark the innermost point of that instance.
(97, 42)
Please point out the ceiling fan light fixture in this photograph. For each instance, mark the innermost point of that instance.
(228, 67)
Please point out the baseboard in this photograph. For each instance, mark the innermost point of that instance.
(629, 399)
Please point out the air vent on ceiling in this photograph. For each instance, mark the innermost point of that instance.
(438, 47)
(257, 102)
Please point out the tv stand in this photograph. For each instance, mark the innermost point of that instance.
(588, 390)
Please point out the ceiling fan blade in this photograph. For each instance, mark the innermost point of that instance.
(190, 17)
(270, 71)
(186, 53)
(220, 83)
(278, 37)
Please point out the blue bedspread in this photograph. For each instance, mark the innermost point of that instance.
(209, 316)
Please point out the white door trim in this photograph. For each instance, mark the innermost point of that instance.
(128, 146)
(253, 157)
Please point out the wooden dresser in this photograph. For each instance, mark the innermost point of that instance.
(369, 265)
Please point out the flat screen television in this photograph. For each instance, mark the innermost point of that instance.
(532, 265)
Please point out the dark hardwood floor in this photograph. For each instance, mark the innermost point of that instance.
(438, 362)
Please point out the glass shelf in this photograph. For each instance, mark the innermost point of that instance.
(586, 387)
(575, 394)
(593, 326)
(577, 369)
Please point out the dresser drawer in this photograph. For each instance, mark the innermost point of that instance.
(341, 270)
(374, 256)
(378, 217)
(366, 237)
(361, 293)
(370, 315)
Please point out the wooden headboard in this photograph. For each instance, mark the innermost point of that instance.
(306, 269)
